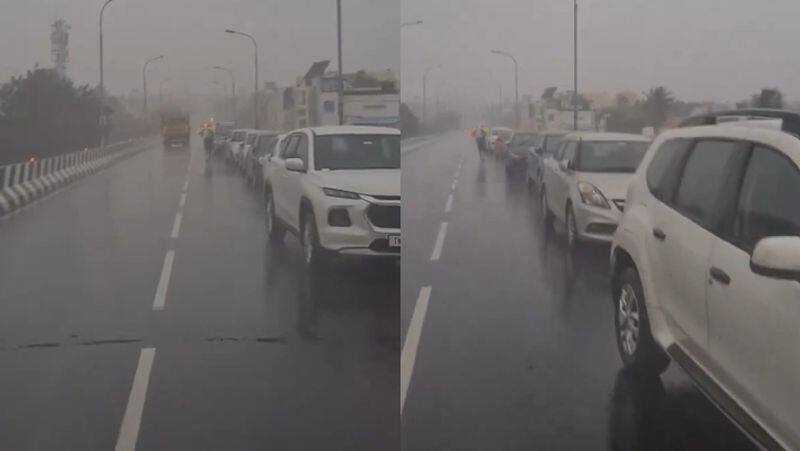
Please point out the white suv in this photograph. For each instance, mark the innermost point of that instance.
(585, 181)
(705, 270)
(338, 189)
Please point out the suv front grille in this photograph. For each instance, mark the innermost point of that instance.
(384, 216)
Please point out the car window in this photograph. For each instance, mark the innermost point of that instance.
(301, 150)
(663, 170)
(707, 171)
(552, 143)
(610, 156)
(568, 152)
(768, 199)
(264, 145)
(287, 147)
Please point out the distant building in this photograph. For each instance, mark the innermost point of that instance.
(554, 111)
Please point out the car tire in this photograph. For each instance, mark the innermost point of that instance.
(635, 343)
(275, 230)
(312, 251)
(547, 215)
(571, 229)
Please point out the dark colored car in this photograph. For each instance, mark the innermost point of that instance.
(517, 155)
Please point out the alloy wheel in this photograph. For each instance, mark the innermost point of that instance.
(628, 319)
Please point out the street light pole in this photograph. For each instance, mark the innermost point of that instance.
(575, 69)
(233, 90)
(340, 89)
(425, 92)
(516, 84)
(144, 81)
(102, 85)
(255, 87)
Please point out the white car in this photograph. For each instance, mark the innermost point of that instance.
(547, 143)
(234, 147)
(705, 270)
(585, 181)
(338, 189)
(245, 147)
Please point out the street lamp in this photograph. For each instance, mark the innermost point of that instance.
(160, 88)
(408, 24)
(255, 84)
(516, 85)
(233, 89)
(340, 88)
(575, 69)
(144, 80)
(425, 90)
(102, 85)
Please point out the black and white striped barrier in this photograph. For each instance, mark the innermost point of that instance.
(23, 183)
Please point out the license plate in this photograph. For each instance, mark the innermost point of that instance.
(394, 240)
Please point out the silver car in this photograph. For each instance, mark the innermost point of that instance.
(585, 183)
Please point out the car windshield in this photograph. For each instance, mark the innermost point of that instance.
(334, 152)
(505, 135)
(238, 136)
(523, 140)
(553, 143)
(251, 138)
(265, 145)
(610, 156)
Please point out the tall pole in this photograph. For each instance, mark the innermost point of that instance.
(144, 82)
(232, 102)
(516, 84)
(102, 84)
(255, 77)
(575, 70)
(340, 88)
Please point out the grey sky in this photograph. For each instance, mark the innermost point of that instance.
(700, 49)
(291, 35)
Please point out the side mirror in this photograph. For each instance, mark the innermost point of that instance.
(295, 165)
(565, 165)
(777, 257)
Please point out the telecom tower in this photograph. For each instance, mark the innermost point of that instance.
(59, 41)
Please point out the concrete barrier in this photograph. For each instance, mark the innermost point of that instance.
(23, 183)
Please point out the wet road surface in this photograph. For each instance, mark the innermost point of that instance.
(515, 349)
(144, 304)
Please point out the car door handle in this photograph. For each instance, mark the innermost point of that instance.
(719, 275)
(659, 234)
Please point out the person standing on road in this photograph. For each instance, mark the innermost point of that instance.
(480, 140)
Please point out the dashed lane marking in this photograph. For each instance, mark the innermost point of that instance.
(437, 247)
(176, 226)
(449, 205)
(131, 421)
(163, 283)
(408, 355)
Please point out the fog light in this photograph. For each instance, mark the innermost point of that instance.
(338, 217)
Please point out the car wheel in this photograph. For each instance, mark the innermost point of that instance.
(312, 255)
(547, 215)
(571, 229)
(275, 229)
(635, 343)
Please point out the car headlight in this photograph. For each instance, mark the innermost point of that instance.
(333, 192)
(592, 196)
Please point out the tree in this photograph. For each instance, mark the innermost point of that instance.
(409, 124)
(657, 103)
(768, 98)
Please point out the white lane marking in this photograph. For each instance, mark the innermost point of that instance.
(453, 186)
(176, 226)
(163, 282)
(449, 205)
(409, 353)
(129, 430)
(186, 184)
(183, 201)
(437, 248)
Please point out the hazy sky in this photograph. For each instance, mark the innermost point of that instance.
(700, 49)
(291, 35)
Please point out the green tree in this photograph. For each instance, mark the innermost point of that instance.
(768, 98)
(657, 103)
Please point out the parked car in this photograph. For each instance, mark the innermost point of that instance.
(517, 157)
(504, 133)
(264, 142)
(237, 138)
(706, 270)
(546, 145)
(585, 183)
(245, 148)
(338, 189)
(222, 136)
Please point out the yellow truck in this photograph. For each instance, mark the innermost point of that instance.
(175, 129)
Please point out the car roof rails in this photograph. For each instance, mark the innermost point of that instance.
(789, 121)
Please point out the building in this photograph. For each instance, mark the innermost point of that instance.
(554, 111)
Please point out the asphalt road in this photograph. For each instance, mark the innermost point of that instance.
(512, 341)
(144, 305)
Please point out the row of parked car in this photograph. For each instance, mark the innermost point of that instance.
(337, 188)
(704, 226)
